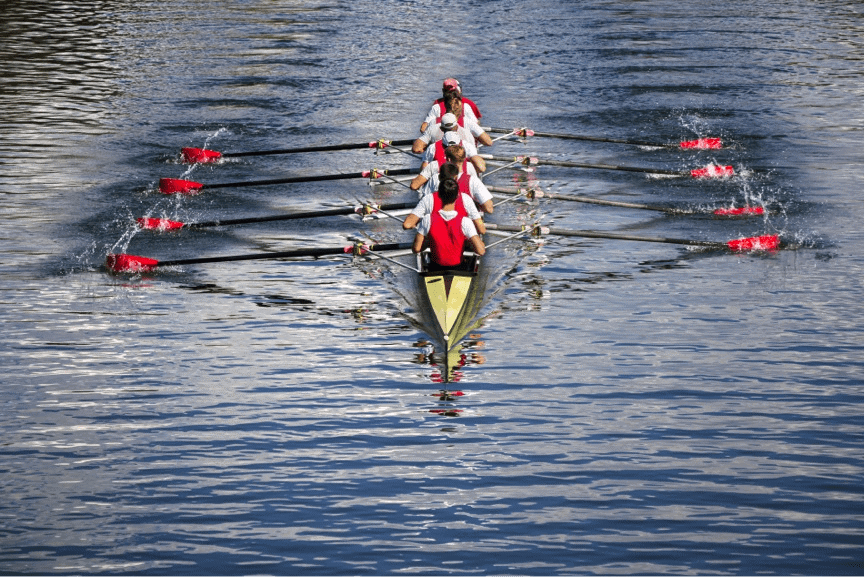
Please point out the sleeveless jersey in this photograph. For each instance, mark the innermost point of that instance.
(464, 182)
(459, 207)
(446, 240)
(466, 102)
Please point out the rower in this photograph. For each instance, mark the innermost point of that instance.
(445, 230)
(469, 131)
(449, 86)
(436, 151)
(455, 154)
(428, 180)
(428, 203)
(454, 103)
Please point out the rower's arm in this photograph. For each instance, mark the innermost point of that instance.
(479, 225)
(477, 245)
(410, 221)
(478, 163)
(417, 182)
(418, 146)
(488, 207)
(418, 243)
(484, 139)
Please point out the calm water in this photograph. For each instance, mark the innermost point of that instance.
(626, 408)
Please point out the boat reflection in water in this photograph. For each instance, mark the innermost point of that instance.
(447, 371)
(447, 367)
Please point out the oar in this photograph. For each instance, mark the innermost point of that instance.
(203, 155)
(509, 165)
(767, 242)
(710, 171)
(395, 181)
(700, 143)
(132, 263)
(176, 185)
(366, 209)
(534, 193)
(391, 148)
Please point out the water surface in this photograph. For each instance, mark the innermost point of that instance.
(621, 408)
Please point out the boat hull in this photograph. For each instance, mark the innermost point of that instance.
(450, 297)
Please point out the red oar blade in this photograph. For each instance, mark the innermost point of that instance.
(199, 155)
(740, 211)
(712, 171)
(130, 263)
(158, 224)
(768, 242)
(176, 185)
(702, 143)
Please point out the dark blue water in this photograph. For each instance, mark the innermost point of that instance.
(626, 408)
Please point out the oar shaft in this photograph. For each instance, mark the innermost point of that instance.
(598, 166)
(588, 138)
(611, 167)
(589, 200)
(295, 179)
(255, 256)
(610, 235)
(309, 252)
(322, 148)
(295, 215)
(616, 236)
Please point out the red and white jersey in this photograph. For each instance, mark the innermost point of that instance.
(436, 151)
(447, 234)
(467, 133)
(473, 186)
(468, 104)
(437, 111)
(428, 205)
(431, 170)
(469, 183)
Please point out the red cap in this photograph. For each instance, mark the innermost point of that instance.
(452, 84)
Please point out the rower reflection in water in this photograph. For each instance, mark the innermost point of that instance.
(447, 370)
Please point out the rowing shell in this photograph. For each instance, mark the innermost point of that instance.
(452, 297)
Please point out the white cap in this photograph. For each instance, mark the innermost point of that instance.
(448, 121)
(450, 138)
